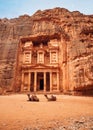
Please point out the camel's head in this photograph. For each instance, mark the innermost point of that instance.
(45, 95)
(28, 95)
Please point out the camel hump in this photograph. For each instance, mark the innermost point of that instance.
(53, 97)
(35, 98)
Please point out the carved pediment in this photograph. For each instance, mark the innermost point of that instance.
(28, 44)
(40, 66)
(53, 43)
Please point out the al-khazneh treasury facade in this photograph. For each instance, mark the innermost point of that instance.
(52, 50)
(39, 63)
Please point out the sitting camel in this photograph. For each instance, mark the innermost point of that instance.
(33, 98)
(52, 98)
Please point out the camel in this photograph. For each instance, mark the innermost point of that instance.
(33, 98)
(52, 98)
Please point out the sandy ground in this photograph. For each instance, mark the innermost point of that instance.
(16, 113)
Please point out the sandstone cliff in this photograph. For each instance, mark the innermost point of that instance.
(76, 56)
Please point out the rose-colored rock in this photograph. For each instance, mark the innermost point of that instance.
(75, 30)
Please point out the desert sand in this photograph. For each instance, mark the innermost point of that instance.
(67, 113)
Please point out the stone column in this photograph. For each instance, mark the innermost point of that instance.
(50, 81)
(44, 81)
(22, 84)
(50, 57)
(57, 81)
(30, 60)
(57, 56)
(24, 58)
(35, 81)
(29, 81)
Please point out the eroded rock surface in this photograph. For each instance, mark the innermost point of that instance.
(76, 33)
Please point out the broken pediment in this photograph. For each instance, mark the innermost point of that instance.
(53, 43)
(28, 44)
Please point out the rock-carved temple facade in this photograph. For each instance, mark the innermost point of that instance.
(39, 64)
(50, 51)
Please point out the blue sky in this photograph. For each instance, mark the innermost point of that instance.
(15, 8)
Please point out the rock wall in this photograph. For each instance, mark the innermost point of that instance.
(75, 30)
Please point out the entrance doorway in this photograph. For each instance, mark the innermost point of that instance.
(40, 81)
(41, 84)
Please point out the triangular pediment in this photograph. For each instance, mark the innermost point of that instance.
(40, 66)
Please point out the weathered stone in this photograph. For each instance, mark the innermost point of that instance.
(75, 31)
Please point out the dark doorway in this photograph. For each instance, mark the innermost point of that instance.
(47, 81)
(32, 83)
(41, 84)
